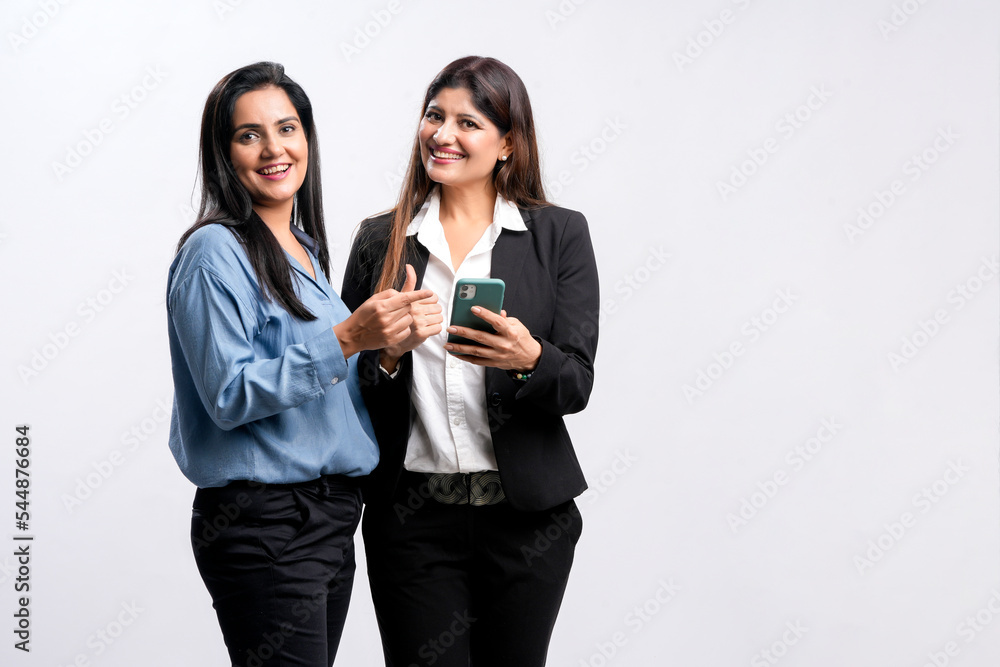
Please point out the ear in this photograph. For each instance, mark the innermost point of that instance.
(507, 144)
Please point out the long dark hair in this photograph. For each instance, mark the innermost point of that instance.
(498, 93)
(225, 201)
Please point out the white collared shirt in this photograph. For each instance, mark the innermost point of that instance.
(451, 431)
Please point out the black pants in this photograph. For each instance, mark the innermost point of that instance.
(457, 585)
(278, 561)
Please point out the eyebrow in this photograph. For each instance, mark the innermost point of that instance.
(252, 126)
(461, 115)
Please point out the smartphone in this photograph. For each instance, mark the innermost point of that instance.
(483, 292)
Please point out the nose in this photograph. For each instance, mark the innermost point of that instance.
(271, 145)
(445, 133)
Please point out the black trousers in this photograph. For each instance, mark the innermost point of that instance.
(457, 585)
(278, 561)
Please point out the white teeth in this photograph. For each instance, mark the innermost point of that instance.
(447, 156)
(273, 170)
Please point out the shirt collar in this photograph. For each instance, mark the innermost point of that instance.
(506, 215)
(309, 242)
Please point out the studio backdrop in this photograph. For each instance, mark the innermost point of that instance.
(792, 442)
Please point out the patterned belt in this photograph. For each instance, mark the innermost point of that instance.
(476, 488)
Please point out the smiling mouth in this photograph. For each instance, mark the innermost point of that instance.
(276, 169)
(441, 155)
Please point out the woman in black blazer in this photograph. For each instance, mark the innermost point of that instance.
(470, 524)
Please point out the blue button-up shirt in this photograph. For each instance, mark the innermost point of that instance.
(258, 393)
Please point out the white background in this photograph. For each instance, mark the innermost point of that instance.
(846, 549)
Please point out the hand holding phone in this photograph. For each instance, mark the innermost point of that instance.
(483, 292)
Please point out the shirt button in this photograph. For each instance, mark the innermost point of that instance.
(458, 421)
(334, 380)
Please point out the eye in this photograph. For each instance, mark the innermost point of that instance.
(247, 137)
(432, 115)
(469, 125)
(288, 129)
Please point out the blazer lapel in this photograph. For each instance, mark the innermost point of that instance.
(508, 256)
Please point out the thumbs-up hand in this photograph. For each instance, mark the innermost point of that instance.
(386, 319)
(411, 280)
(426, 314)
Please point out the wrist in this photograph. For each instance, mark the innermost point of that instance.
(387, 360)
(533, 362)
(519, 376)
(345, 337)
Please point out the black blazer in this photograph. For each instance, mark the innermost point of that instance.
(552, 288)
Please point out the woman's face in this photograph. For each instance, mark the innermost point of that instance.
(269, 149)
(458, 144)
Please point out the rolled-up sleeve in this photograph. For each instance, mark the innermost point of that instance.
(215, 329)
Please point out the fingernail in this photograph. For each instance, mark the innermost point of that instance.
(452, 330)
(475, 309)
(449, 347)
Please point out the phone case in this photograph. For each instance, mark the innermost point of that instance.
(488, 294)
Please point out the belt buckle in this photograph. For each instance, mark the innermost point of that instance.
(476, 489)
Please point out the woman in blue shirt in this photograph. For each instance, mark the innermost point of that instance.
(268, 418)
